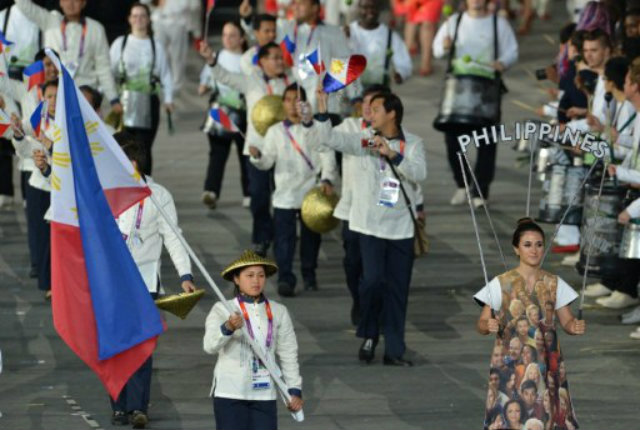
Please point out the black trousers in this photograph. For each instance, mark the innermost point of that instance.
(147, 136)
(260, 186)
(352, 261)
(232, 414)
(627, 279)
(485, 162)
(39, 234)
(6, 167)
(219, 148)
(136, 393)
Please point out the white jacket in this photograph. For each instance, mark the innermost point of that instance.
(154, 232)
(28, 102)
(254, 87)
(93, 67)
(246, 62)
(293, 176)
(232, 376)
(366, 216)
(24, 34)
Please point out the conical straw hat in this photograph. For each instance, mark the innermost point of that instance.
(249, 258)
(180, 304)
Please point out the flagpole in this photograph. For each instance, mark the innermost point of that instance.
(298, 416)
(205, 35)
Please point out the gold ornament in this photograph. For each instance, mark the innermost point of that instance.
(317, 211)
(180, 304)
(268, 111)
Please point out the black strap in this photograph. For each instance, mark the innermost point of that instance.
(152, 77)
(495, 42)
(404, 192)
(6, 21)
(387, 59)
(455, 38)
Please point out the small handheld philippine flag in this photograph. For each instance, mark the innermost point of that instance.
(343, 71)
(210, 5)
(316, 62)
(4, 42)
(221, 117)
(288, 50)
(35, 74)
(36, 118)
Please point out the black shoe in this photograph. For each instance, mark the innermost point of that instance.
(355, 314)
(119, 418)
(367, 350)
(397, 362)
(286, 290)
(310, 286)
(139, 419)
(261, 248)
(33, 273)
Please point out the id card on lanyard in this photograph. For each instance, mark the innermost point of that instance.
(389, 192)
(136, 239)
(260, 377)
(72, 66)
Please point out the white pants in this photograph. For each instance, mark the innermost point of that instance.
(175, 39)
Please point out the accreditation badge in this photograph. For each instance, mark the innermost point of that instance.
(260, 378)
(389, 192)
(72, 68)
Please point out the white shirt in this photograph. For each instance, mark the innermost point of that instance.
(355, 127)
(366, 215)
(93, 66)
(182, 14)
(598, 108)
(475, 39)
(625, 138)
(254, 88)
(373, 45)
(136, 62)
(293, 176)
(24, 34)
(492, 293)
(153, 232)
(227, 96)
(232, 377)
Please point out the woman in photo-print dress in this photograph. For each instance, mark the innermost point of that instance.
(528, 386)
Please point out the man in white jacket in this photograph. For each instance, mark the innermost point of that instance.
(298, 162)
(81, 43)
(379, 213)
(264, 31)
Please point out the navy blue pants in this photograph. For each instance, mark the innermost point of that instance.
(234, 414)
(135, 394)
(384, 290)
(352, 261)
(39, 234)
(284, 246)
(260, 192)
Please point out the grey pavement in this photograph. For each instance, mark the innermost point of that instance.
(45, 386)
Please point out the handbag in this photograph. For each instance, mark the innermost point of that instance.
(421, 243)
(470, 101)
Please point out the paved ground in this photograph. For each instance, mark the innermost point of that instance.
(44, 386)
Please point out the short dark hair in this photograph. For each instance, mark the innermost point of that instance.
(264, 50)
(262, 17)
(376, 89)
(53, 83)
(96, 96)
(391, 103)
(525, 225)
(528, 384)
(41, 54)
(494, 371)
(566, 32)
(599, 35)
(615, 70)
(131, 147)
(294, 87)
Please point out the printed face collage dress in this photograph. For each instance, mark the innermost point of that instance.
(527, 387)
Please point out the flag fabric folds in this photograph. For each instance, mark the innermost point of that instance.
(101, 306)
(221, 117)
(4, 43)
(343, 71)
(5, 122)
(288, 50)
(316, 62)
(36, 118)
(35, 74)
(210, 5)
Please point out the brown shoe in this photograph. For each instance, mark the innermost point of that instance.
(47, 295)
(139, 419)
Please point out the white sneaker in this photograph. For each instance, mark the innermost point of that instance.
(246, 202)
(635, 334)
(596, 290)
(5, 202)
(632, 317)
(459, 197)
(209, 198)
(571, 260)
(617, 300)
(478, 202)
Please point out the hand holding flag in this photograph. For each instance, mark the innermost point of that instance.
(221, 117)
(343, 71)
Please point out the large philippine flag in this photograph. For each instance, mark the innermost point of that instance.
(101, 307)
(343, 71)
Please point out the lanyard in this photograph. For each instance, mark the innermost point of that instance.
(297, 147)
(63, 29)
(629, 121)
(139, 215)
(295, 36)
(269, 88)
(245, 314)
(383, 165)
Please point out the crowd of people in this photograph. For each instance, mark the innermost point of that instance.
(354, 138)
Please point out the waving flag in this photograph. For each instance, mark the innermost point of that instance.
(221, 117)
(288, 50)
(5, 122)
(316, 62)
(4, 42)
(101, 306)
(35, 73)
(210, 5)
(36, 118)
(343, 71)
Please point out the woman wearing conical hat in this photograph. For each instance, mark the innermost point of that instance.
(244, 395)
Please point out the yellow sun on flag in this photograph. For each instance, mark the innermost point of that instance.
(61, 159)
(91, 127)
(56, 182)
(336, 67)
(96, 148)
(136, 176)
